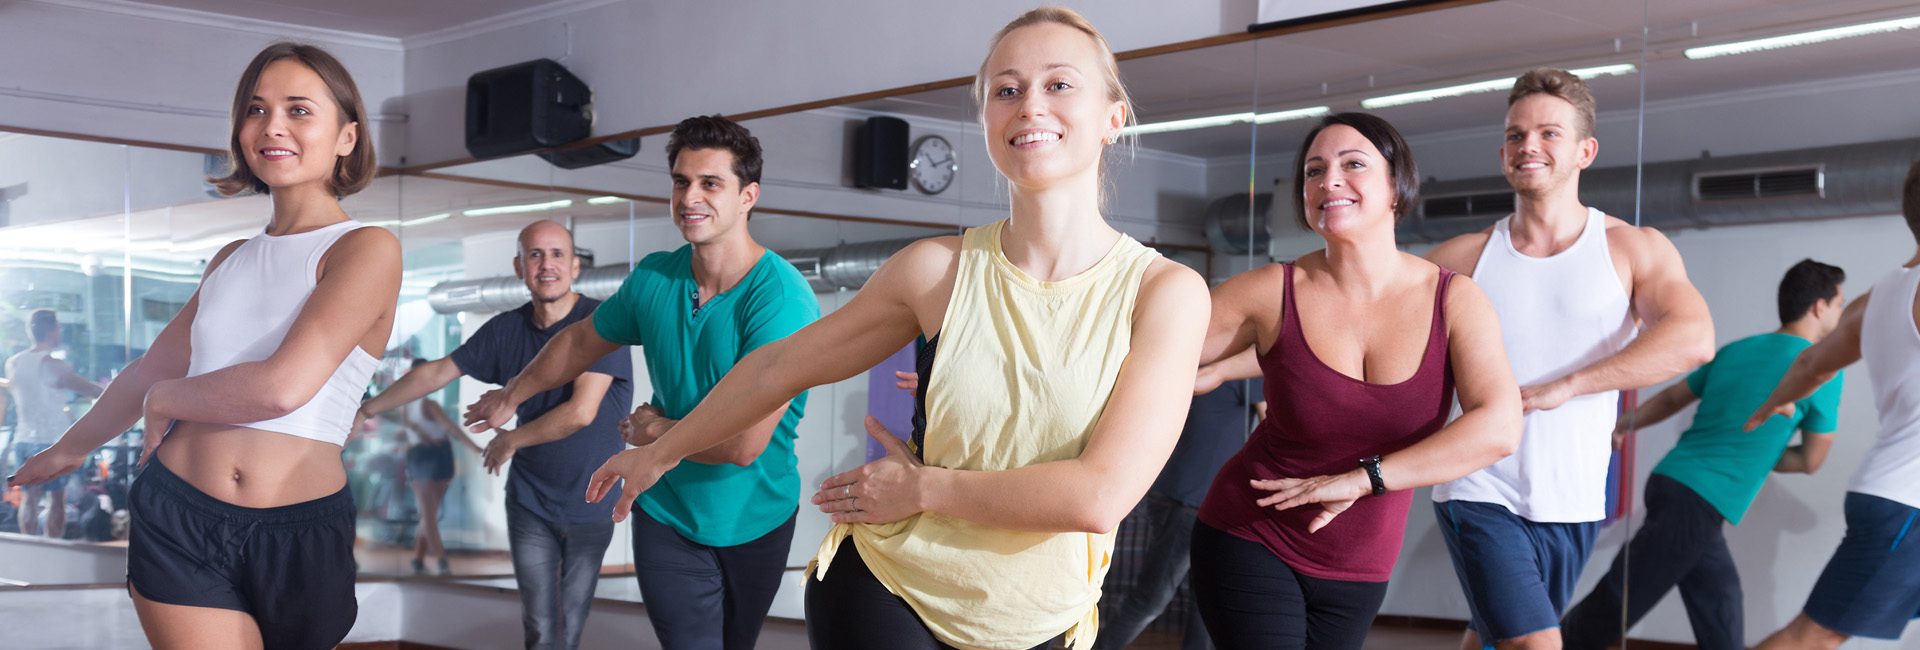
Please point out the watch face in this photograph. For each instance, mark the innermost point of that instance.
(933, 166)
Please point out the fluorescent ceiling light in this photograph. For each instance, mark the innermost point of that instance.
(411, 222)
(1190, 124)
(1490, 85)
(1803, 38)
(516, 209)
(605, 200)
(1295, 114)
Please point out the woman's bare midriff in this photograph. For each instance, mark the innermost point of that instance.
(252, 468)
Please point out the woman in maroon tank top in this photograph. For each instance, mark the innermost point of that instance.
(1362, 347)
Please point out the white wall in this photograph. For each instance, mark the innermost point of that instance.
(651, 64)
(162, 75)
(1153, 195)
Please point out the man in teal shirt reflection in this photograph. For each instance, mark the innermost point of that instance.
(1716, 470)
(711, 539)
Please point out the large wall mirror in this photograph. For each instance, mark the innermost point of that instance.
(1747, 135)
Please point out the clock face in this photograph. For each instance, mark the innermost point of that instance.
(933, 166)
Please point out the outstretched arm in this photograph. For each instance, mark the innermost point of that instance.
(357, 289)
(1676, 334)
(1089, 493)
(119, 406)
(877, 322)
(1816, 365)
(562, 360)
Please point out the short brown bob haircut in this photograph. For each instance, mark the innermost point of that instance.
(351, 173)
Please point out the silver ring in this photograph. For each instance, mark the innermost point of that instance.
(846, 491)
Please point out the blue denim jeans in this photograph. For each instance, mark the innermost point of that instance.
(557, 567)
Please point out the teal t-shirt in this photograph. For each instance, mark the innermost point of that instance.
(687, 351)
(1717, 457)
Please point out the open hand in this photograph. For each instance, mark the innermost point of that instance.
(1334, 493)
(491, 411)
(1768, 410)
(639, 429)
(47, 465)
(636, 469)
(885, 490)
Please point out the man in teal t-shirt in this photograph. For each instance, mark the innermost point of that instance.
(711, 538)
(1716, 469)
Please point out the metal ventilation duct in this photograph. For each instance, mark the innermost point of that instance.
(1230, 226)
(1794, 185)
(846, 266)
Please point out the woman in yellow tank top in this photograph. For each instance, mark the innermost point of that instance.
(1066, 358)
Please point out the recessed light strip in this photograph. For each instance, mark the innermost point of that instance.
(1212, 121)
(1803, 38)
(517, 209)
(1490, 85)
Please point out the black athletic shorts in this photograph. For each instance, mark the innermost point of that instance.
(290, 567)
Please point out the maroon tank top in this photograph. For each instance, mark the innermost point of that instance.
(1321, 422)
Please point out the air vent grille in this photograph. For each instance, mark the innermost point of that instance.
(1467, 206)
(1800, 182)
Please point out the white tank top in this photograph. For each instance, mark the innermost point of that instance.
(42, 403)
(1891, 346)
(246, 307)
(419, 428)
(1557, 314)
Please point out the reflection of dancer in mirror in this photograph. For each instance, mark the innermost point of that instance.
(1715, 471)
(1571, 285)
(558, 541)
(1058, 368)
(711, 543)
(40, 384)
(1361, 347)
(1871, 586)
(430, 434)
(243, 528)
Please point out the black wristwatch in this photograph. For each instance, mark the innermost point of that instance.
(1372, 465)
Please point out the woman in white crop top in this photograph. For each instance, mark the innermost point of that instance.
(242, 528)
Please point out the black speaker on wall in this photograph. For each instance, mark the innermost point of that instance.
(880, 153)
(588, 156)
(526, 106)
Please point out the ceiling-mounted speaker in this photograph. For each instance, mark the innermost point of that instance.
(596, 154)
(880, 153)
(526, 106)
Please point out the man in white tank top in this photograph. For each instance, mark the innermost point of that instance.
(1589, 305)
(41, 385)
(1871, 587)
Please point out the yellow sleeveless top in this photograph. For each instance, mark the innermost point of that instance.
(1023, 370)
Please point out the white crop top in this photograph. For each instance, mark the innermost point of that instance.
(247, 305)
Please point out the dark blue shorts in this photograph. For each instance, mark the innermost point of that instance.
(1518, 575)
(290, 568)
(1871, 587)
(431, 461)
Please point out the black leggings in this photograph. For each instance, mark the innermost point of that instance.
(1251, 599)
(851, 610)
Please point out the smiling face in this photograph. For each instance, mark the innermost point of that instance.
(1544, 149)
(709, 202)
(546, 262)
(1348, 185)
(1048, 111)
(293, 133)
